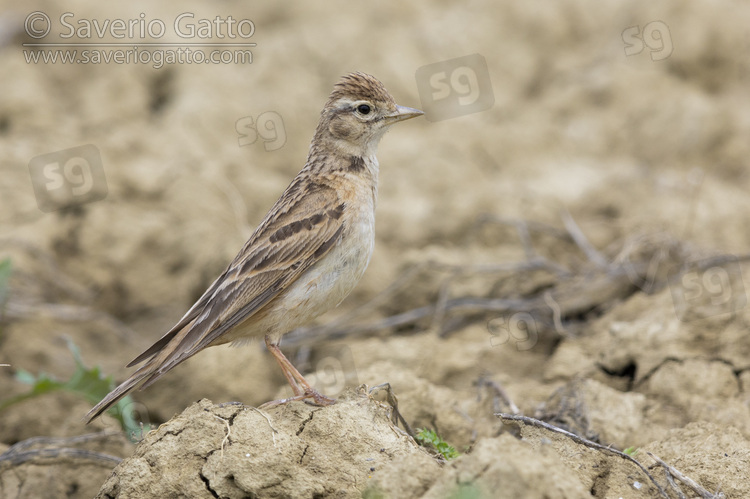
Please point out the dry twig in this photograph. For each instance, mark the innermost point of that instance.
(671, 471)
(393, 402)
(57, 448)
(501, 392)
(591, 288)
(581, 241)
(59, 453)
(580, 440)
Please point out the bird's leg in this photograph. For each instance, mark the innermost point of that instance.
(301, 388)
(285, 368)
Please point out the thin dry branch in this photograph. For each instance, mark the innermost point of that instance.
(59, 441)
(574, 294)
(580, 440)
(342, 327)
(58, 448)
(556, 313)
(65, 453)
(500, 392)
(719, 260)
(529, 226)
(675, 487)
(572, 298)
(535, 263)
(393, 402)
(442, 300)
(671, 471)
(582, 241)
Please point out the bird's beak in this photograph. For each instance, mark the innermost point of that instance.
(403, 113)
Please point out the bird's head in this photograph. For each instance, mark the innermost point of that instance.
(358, 112)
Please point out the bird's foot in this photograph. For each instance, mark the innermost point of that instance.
(318, 398)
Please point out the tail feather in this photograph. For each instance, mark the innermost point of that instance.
(165, 354)
(123, 389)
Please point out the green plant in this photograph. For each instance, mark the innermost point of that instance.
(466, 491)
(631, 451)
(429, 437)
(86, 382)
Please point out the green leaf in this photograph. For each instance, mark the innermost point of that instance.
(25, 377)
(89, 383)
(425, 436)
(466, 491)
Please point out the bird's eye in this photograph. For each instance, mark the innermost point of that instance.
(363, 108)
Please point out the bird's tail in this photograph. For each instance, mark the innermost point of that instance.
(123, 389)
(162, 357)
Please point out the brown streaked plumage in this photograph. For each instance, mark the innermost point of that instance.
(306, 255)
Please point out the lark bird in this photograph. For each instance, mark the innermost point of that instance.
(306, 255)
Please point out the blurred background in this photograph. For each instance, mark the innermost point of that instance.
(127, 186)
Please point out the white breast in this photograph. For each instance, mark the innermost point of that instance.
(324, 285)
(331, 280)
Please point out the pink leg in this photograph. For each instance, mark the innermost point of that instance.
(301, 388)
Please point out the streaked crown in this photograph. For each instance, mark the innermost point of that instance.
(360, 86)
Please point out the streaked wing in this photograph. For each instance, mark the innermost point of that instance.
(299, 230)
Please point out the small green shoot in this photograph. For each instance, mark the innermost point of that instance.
(466, 491)
(86, 382)
(631, 451)
(429, 437)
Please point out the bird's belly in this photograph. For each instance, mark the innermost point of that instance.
(331, 280)
(324, 285)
